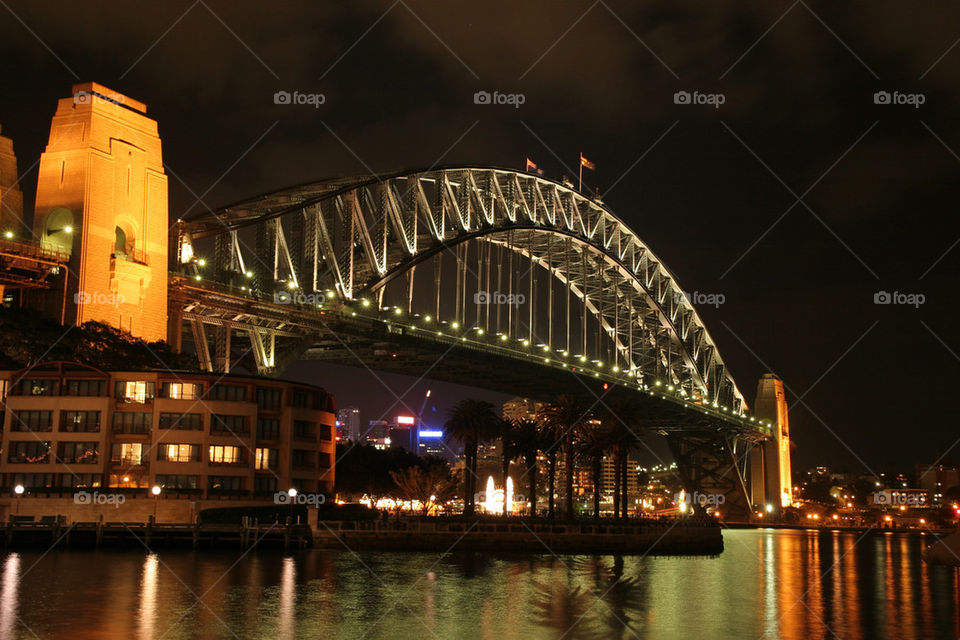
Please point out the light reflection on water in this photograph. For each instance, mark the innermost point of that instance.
(802, 585)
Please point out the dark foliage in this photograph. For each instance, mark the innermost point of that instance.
(28, 338)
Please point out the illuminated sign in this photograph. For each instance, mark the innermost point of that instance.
(406, 420)
(427, 433)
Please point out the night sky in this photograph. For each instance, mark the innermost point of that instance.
(798, 198)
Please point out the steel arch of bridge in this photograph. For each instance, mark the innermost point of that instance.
(358, 237)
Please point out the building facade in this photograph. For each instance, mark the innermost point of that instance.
(68, 427)
(102, 200)
(11, 197)
(349, 423)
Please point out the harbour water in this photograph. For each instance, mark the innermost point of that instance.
(791, 584)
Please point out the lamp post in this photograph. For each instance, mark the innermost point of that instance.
(155, 490)
(19, 491)
(293, 494)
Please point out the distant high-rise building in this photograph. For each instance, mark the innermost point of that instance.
(349, 419)
(936, 479)
(522, 408)
(378, 431)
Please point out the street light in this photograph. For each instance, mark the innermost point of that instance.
(293, 494)
(155, 490)
(19, 491)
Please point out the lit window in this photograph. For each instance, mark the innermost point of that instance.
(224, 454)
(181, 390)
(135, 392)
(265, 458)
(180, 452)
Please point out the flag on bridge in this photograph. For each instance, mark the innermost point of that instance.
(530, 166)
(584, 163)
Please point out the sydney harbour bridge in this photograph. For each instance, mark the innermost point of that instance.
(483, 276)
(488, 277)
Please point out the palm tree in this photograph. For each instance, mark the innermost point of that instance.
(550, 444)
(509, 450)
(470, 423)
(527, 439)
(595, 443)
(623, 422)
(566, 414)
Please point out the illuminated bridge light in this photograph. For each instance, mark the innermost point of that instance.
(201, 262)
(526, 343)
(455, 324)
(365, 302)
(398, 311)
(657, 383)
(503, 337)
(291, 285)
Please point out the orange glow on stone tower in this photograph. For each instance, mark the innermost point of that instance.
(102, 197)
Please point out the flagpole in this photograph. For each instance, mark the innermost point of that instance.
(580, 186)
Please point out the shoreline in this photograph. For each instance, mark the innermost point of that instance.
(857, 529)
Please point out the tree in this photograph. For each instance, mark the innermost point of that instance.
(27, 338)
(528, 441)
(550, 444)
(429, 484)
(566, 415)
(509, 450)
(594, 445)
(623, 421)
(364, 469)
(470, 423)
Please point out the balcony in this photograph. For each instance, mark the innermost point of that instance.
(240, 462)
(129, 462)
(131, 255)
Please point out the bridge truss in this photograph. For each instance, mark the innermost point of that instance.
(485, 276)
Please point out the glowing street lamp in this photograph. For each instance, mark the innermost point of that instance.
(155, 490)
(19, 491)
(292, 492)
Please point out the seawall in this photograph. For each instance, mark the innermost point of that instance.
(676, 537)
